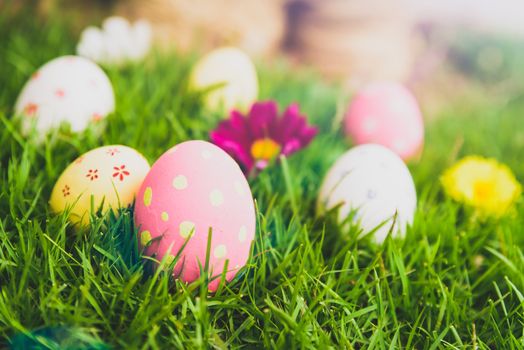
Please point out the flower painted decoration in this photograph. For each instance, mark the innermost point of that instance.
(484, 184)
(104, 178)
(260, 137)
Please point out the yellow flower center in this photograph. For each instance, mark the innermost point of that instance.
(265, 149)
(484, 190)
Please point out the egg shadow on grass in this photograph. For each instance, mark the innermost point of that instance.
(121, 240)
(112, 235)
(340, 236)
(166, 267)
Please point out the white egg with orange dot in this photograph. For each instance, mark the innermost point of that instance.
(68, 89)
(191, 189)
(110, 175)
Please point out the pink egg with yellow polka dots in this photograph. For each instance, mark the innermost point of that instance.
(388, 114)
(192, 189)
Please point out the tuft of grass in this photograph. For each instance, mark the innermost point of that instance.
(451, 283)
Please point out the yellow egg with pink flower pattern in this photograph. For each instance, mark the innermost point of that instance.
(107, 177)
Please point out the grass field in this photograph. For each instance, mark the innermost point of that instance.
(453, 282)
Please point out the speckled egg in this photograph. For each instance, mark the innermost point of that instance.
(388, 114)
(192, 188)
(373, 183)
(69, 89)
(231, 77)
(111, 175)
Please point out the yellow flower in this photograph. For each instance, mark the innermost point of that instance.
(485, 184)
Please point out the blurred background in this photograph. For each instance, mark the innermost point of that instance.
(429, 45)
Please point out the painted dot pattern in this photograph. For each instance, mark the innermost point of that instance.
(145, 238)
(242, 234)
(148, 196)
(186, 228)
(180, 182)
(214, 196)
(220, 251)
(169, 259)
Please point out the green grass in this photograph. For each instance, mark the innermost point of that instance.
(451, 283)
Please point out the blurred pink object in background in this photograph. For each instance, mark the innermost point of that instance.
(388, 114)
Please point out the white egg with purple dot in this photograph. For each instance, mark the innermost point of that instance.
(373, 182)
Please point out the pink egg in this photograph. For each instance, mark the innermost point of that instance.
(386, 113)
(192, 188)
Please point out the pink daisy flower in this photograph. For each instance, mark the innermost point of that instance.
(263, 135)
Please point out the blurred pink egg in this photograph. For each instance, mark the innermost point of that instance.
(192, 188)
(388, 114)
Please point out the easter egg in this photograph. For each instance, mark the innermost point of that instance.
(110, 176)
(118, 42)
(69, 89)
(230, 77)
(372, 183)
(388, 114)
(191, 189)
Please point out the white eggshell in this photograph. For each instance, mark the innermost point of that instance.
(91, 44)
(116, 26)
(142, 34)
(230, 74)
(68, 89)
(373, 181)
(117, 39)
(116, 42)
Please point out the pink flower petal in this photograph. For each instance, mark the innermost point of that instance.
(234, 148)
(237, 134)
(291, 146)
(262, 116)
